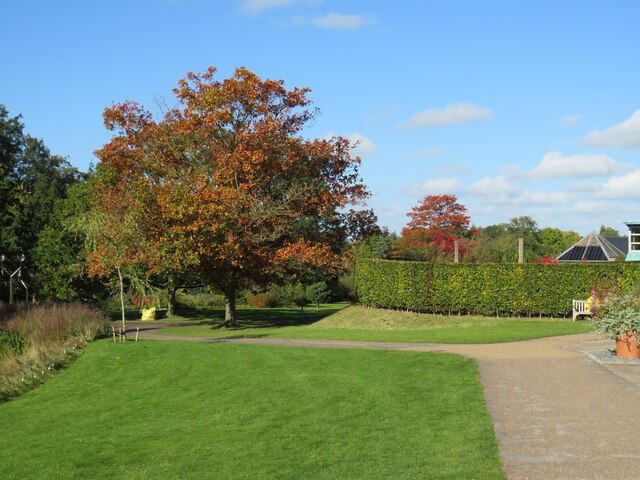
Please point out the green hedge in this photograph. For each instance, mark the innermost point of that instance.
(485, 289)
(394, 284)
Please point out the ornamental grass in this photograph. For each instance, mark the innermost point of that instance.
(37, 340)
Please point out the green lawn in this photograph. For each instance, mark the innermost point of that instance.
(334, 322)
(168, 410)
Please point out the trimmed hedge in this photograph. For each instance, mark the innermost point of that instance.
(394, 284)
(484, 289)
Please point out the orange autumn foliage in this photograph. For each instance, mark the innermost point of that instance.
(224, 183)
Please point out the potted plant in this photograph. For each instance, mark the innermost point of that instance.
(618, 317)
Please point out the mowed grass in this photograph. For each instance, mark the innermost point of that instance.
(369, 324)
(168, 410)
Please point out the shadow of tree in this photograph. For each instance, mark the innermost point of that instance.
(134, 315)
(250, 318)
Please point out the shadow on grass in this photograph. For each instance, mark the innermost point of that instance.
(247, 318)
(250, 318)
(134, 315)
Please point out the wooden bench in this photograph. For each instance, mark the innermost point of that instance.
(580, 308)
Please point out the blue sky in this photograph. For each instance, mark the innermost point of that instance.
(518, 108)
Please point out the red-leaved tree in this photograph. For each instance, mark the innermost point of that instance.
(436, 224)
(226, 186)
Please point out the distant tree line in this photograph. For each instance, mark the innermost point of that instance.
(439, 221)
(38, 191)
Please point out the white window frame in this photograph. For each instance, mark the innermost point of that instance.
(634, 238)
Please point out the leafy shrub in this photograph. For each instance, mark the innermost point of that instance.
(143, 301)
(294, 295)
(318, 293)
(618, 313)
(344, 287)
(112, 304)
(486, 289)
(269, 299)
(195, 300)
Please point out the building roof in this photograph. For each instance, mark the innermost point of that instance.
(592, 248)
(621, 243)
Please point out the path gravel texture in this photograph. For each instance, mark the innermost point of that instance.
(559, 413)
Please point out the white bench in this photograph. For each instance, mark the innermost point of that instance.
(580, 308)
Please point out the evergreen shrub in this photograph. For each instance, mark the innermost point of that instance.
(318, 293)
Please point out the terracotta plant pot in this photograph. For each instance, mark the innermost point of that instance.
(626, 346)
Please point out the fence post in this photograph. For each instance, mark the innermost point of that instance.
(520, 250)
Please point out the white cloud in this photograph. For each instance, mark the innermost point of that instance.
(569, 120)
(555, 165)
(542, 198)
(625, 187)
(587, 187)
(256, 6)
(590, 207)
(499, 191)
(438, 186)
(342, 22)
(428, 152)
(390, 211)
(492, 186)
(363, 145)
(623, 135)
(455, 114)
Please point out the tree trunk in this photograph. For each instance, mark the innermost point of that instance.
(230, 311)
(121, 282)
(171, 302)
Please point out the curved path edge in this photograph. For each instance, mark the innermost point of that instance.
(561, 346)
(533, 348)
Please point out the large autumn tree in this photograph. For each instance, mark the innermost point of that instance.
(437, 222)
(226, 185)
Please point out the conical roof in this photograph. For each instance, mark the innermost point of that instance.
(592, 248)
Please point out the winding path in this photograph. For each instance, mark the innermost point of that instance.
(558, 414)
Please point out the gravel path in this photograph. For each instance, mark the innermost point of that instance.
(561, 411)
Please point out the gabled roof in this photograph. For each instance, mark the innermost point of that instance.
(592, 248)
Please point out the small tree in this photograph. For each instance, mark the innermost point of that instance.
(318, 293)
(60, 252)
(436, 224)
(609, 231)
(294, 295)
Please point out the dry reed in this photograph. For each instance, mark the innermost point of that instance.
(55, 334)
